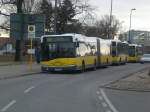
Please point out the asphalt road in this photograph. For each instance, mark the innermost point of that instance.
(129, 101)
(60, 92)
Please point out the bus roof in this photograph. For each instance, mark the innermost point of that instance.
(125, 42)
(136, 45)
(91, 39)
(79, 37)
(115, 40)
(133, 45)
(76, 37)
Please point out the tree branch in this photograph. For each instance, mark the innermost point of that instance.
(3, 27)
(8, 2)
(4, 14)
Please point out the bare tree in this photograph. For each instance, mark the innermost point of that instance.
(28, 6)
(5, 25)
(104, 28)
(7, 7)
(84, 12)
(45, 7)
(10, 6)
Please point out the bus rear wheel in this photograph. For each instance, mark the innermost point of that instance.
(83, 67)
(94, 65)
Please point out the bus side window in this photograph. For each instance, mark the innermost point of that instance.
(82, 49)
(78, 50)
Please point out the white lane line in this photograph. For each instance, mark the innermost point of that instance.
(108, 101)
(29, 89)
(97, 92)
(104, 104)
(8, 105)
(100, 97)
(108, 110)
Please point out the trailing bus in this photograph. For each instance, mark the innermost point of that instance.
(119, 52)
(135, 52)
(125, 47)
(73, 52)
(105, 49)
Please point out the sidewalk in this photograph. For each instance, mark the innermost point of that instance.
(10, 70)
(139, 81)
(9, 63)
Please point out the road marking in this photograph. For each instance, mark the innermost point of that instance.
(108, 101)
(100, 97)
(104, 104)
(108, 110)
(8, 106)
(97, 92)
(29, 89)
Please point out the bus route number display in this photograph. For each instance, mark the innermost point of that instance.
(58, 39)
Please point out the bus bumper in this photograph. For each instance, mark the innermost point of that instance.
(60, 68)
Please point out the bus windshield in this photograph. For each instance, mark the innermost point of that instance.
(114, 50)
(57, 50)
(132, 51)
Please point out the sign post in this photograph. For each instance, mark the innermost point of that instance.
(31, 35)
(19, 29)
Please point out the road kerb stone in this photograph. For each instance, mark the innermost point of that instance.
(137, 81)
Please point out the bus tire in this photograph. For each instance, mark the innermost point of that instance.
(120, 61)
(95, 65)
(107, 61)
(83, 67)
(126, 60)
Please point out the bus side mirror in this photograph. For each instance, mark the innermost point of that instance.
(76, 44)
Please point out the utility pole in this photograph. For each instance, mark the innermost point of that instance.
(130, 24)
(19, 41)
(110, 31)
(55, 18)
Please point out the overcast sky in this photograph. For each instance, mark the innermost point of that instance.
(121, 9)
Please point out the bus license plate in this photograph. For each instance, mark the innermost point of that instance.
(58, 69)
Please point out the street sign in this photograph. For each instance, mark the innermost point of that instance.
(31, 28)
(31, 51)
(31, 31)
(31, 35)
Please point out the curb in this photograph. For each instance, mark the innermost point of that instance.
(126, 89)
(121, 89)
(20, 75)
(14, 63)
(10, 64)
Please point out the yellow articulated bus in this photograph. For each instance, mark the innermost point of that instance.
(135, 52)
(119, 52)
(105, 52)
(73, 52)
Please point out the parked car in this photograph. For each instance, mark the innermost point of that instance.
(145, 58)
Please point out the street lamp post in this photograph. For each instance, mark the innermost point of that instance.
(130, 24)
(55, 18)
(110, 32)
